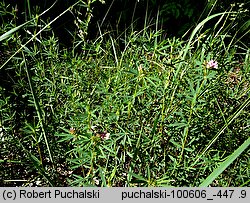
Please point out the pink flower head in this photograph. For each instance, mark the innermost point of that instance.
(212, 64)
(105, 135)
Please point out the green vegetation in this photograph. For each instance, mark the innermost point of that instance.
(138, 109)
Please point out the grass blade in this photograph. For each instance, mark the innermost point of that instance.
(234, 116)
(32, 38)
(13, 30)
(225, 164)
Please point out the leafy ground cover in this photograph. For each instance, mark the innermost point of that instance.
(155, 111)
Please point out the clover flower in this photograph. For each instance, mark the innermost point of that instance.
(140, 68)
(212, 64)
(104, 135)
(72, 131)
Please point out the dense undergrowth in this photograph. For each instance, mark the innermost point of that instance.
(140, 109)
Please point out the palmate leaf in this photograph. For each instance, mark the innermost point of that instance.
(230, 159)
(65, 137)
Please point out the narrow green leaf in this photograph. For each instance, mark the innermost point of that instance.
(13, 30)
(137, 176)
(195, 31)
(228, 122)
(197, 28)
(112, 175)
(65, 137)
(225, 164)
(104, 183)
